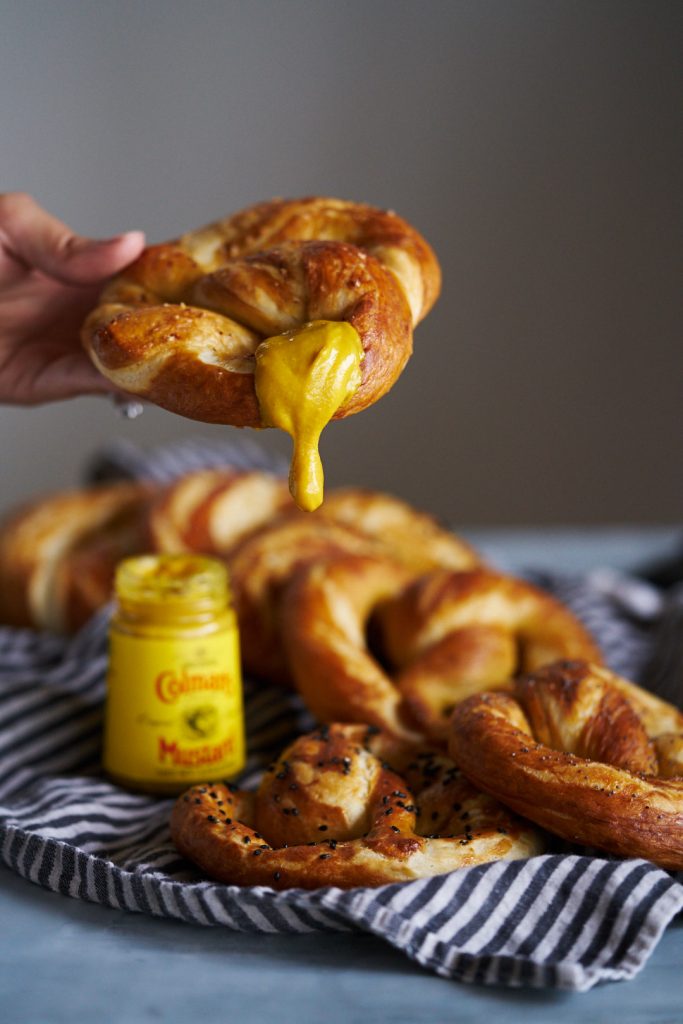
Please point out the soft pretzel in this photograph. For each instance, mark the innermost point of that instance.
(412, 537)
(332, 812)
(440, 638)
(260, 569)
(350, 522)
(58, 554)
(181, 325)
(211, 510)
(569, 752)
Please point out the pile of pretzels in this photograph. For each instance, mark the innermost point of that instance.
(464, 715)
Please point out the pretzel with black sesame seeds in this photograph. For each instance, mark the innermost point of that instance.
(332, 811)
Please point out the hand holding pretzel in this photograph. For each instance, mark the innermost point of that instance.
(181, 326)
(49, 278)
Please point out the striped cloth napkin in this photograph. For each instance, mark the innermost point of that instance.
(564, 920)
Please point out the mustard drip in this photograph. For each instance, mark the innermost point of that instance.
(302, 378)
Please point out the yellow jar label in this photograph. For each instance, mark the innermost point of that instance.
(174, 709)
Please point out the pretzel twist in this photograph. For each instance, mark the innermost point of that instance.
(332, 812)
(442, 637)
(351, 522)
(181, 325)
(58, 554)
(570, 752)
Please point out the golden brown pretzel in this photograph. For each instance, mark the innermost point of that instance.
(331, 812)
(58, 554)
(260, 569)
(571, 754)
(211, 510)
(350, 522)
(181, 325)
(443, 636)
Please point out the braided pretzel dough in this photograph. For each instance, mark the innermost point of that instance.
(211, 510)
(351, 522)
(181, 325)
(58, 554)
(331, 812)
(448, 634)
(572, 754)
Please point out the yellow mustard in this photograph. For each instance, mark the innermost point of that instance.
(302, 378)
(174, 689)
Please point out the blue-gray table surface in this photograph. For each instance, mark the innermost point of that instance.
(62, 960)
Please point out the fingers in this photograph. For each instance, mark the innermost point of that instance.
(68, 376)
(35, 238)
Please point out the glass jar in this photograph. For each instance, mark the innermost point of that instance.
(174, 712)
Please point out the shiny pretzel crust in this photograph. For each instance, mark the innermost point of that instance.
(331, 812)
(443, 636)
(351, 522)
(180, 326)
(58, 554)
(571, 754)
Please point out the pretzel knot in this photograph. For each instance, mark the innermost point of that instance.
(182, 324)
(571, 752)
(351, 522)
(332, 812)
(437, 639)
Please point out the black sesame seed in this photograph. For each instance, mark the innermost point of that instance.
(324, 856)
(322, 828)
(276, 875)
(210, 817)
(394, 828)
(197, 800)
(246, 839)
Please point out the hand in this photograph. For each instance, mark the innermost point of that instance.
(49, 279)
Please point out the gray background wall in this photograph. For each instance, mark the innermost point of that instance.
(536, 143)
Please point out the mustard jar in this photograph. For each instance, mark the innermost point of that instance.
(174, 711)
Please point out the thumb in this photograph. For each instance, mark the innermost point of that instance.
(39, 241)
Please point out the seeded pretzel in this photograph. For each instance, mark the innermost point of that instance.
(441, 637)
(570, 752)
(332, 812)
(180, 326)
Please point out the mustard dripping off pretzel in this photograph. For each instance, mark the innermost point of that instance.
(302, 378)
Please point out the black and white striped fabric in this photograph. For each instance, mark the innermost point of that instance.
(562, 920)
